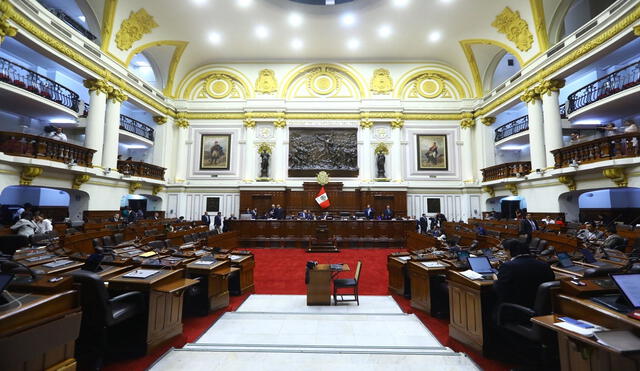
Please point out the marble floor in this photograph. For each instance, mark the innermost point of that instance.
(269, 332)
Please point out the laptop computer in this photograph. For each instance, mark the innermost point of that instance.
(565, 263)
(629, 298)
(590, 259)
(481, 265)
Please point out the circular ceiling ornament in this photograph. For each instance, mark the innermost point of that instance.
(322, 81)
(218, 86)
(429, 85)
(322, 2)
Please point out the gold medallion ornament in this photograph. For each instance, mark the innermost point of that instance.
(160, 120)
(134, 28)
(429, 85)
(322, 81)
(322, 178)
(515, 28)
(381, 148)
(266, 83)
(488, 120)
(80, 180)
(262, 147)
(219, 86)
(381, 82)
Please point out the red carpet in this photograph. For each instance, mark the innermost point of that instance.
(281, 271)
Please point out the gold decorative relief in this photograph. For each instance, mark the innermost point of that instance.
(366, 124)
(134, 28)
(636, 30)
(489, 190)
(548, 86)
(512, 187)
(157, 189)
(381, 82)
(617, 176)
(515, 28)
(117, 95)
(322, 178)
(323, 81)
(5, 28)
(397, 124)
(181, 123)
(429, 85)
(80, 180)
(381, 148)
(530, 95)
(29, 173)
(467, 123)
(134, 186)
(160, 120)
(280, 123)
(219, 86)
(98, 85)
(488, 120)
(569, 181)
(264, 146)
(249, 123)
(266, 83)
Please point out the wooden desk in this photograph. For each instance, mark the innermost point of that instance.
(41, 284)
(40, 333)
(164, 291)
(215, 281)
(578, 352)
(246, 263)
(396, 267)
(420, 276)
(470, 305)
(59, 269)
(319, 286)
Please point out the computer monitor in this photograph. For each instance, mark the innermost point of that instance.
(480, 265)
(629, 285)
(246, 217)
(588, 256)
(345, 213)
(463, 256)
(487, 252)
(359, 214)
(564, 259)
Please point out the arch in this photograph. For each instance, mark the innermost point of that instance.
(180, 47)
(569, 203)
(556, 27)
(190, 83)
(457, 81)
(300, 71)
(495, 66)
(76, 201)
(491, 70)
(473, 64)
(91, 19)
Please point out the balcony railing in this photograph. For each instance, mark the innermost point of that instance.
(511, 128)
(613, 83)
(23, 78)
(136, 127)
(601, 149)
(71, 22)
(508, 170)
(27, 145)
(563, 111)
(137, 168)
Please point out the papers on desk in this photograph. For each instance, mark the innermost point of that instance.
(581, 330)
(57, 263)
(433, 264)
(405, 258)
(141, 273)
(472, 275)
(205, 262)
(235, 257)
(148, 254)
(621, 341)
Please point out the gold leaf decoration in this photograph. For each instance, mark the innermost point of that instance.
(134, 28)
(515, 28)
(29, 173)
(322, 178)
(219, 85)
(323, 81)
(266, 83)
(429, 85)
(381, 148)
(381, 82)
(80, 180)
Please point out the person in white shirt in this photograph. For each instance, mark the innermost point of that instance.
(44, 225)
(58, 135)
(548, 220)
(25, 226)
(630, 126)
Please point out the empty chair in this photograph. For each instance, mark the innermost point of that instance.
(118, 238)
(107, 241)
(97, 242)
(347, 283)
(157, 245)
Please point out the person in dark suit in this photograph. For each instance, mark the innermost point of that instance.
(206, 219)
(369, 212)
(527, 226)
(271, 214)
(424, 222)
(279, 212)
(217, 222)
(519, 278)
(387, 214)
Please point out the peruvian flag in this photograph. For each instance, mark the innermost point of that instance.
(322, 199)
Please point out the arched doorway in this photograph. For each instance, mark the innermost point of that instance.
(57, 204)
(619, 204)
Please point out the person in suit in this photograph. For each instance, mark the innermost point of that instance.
(279, 212)
(254, 213)
(369, 212)
(527, 226)
(519, 278)
(217, 222)
(387, 214)
(424, 224)
(302, 215)
(206, 219)
(271, 214)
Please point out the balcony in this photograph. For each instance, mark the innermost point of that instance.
(27, 145)
(64, 17)
(142, 169)
(22, 78)
(136, 127)
(512, 128)
(601, 149)
(508, 170)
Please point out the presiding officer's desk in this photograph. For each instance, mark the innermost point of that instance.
(319, 286)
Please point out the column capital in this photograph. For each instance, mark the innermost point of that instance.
(160, 120)
(530, 95)
(264, 146)
(80, 180)
(249, 123)
(549, 86)
(636, 30)
(29, 173)
(98, 85)
(366, 124)
(6, 29)
(397, 124)
(280, 123)
(467, 123)
(181, 123)
(117, 95)
(488, 120)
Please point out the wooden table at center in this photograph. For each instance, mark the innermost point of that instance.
(319, 286)
(420, 274)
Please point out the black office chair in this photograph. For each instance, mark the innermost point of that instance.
(118, 238)
(343, 283)
(100, 333)
(157, 245)
(107, 241)
(12, 242)
(97, 242)
(187, 238)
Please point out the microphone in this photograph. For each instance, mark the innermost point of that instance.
(8, 264)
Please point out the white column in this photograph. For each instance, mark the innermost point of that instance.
(396, 150)
(367, 151)
(486, 146)
(536, 129)
(181, 150)
(112, 129)
(250, 150)
(162, 139)
(279, 165)
(466, 129)
(549, 90)
(94, 132)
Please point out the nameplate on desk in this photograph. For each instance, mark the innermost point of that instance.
(405, 258)
(57, 263)
(38, 258)
(205, 262)
(141, 273)
(432, 264)
(335, 267)
(235, 257)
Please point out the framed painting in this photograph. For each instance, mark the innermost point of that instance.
(215, 151)
(432, 152)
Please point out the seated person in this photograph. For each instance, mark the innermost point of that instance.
(519, 278)
(612, 239)
(480, 230)
(590, 234)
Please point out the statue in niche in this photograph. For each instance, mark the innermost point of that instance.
(380, 160)
(264, 163)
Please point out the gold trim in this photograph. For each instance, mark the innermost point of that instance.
(488, 120)
(239, 78)
(302, 70)
(280, 123)
(397, 123)
(489, 190)
(29, 173)
(108, 16)
(134, 186)
(156, 189)
(569, 181)
(366, 124)
(540, 24)
(249, 123)
(467, 123)
(512, 187)
(79, 180)
(407, 79)
(5, 28)
(549, 86)
(617, 175)
(160, 120)
(180, 47)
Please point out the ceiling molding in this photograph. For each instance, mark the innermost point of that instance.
(180, 47)
(301, 70)
(540, 24)
(108, 17)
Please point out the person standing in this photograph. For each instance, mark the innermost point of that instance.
(58, 135)
(279, 212)
(44, 225)
(206, 219)
(424, 222)
(25, 226)
(527, 226)
(217, 222)
(388, 213)
(369, 212)
(271, 214)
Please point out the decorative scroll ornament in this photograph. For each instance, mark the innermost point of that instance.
(219, 86)
(322, 178)
(366, 124)
(636, 30)
(381, 148)
(617, 176)
(134, 28)
(266, 83)
(530, 95)
(568, 181)
(381, 82)
(160, 120)
(429, 85)
(397, 124)
(488, 120)
(515, 28)
(98, 85)
(489, 190)
(467, 123)
(548, 86)
(265, 147)
(5, 28)
(117, 95)
(80, 180)
(280, 123)
(182, 123)
(157, 189)
(512, 187)
(323, 81)
(134, 186)
(249, 123)
(29, 173)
